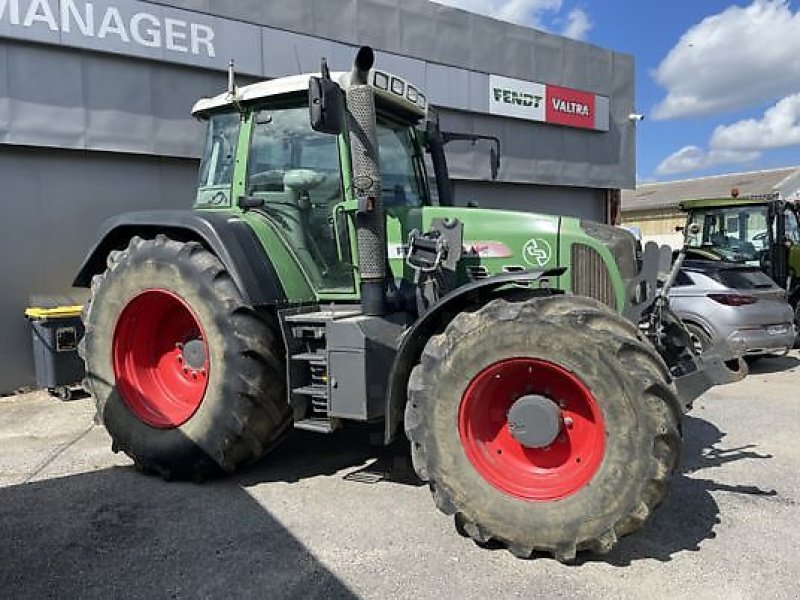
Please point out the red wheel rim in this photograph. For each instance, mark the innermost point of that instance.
(549, 473)
(160, 359)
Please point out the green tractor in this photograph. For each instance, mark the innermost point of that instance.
(538, 375)
(759, 230)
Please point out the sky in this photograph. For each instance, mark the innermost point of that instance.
(717, 81)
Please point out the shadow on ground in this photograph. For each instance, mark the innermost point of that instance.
(689, 514)
(118, 534)
(773, 364)
(305, 454)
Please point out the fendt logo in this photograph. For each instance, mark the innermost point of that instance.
(516, 97)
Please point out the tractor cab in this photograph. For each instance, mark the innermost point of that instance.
(263, 155)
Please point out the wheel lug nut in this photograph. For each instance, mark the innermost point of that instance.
(568, 422)
(179, 346)
(180, 358)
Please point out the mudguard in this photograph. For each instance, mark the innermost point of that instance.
(434, 320)
(225, 234)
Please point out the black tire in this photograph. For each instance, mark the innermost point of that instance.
(698, 337)
(629, 382)
(243, 411)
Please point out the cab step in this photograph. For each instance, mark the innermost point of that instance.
(318, 425)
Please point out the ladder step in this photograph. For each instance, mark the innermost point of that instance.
(320, 391)
(308, 332)
(312, 357)
(318, 425)
(323, 315)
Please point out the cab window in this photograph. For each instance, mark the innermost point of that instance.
(219, 158)
(401, 168)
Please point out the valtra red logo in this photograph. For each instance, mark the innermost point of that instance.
(570, 107)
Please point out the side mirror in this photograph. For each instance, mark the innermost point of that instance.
(324, 105)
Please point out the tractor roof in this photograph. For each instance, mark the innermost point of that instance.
(729, 201)
(397, 91)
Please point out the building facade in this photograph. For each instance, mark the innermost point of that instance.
(95, 99)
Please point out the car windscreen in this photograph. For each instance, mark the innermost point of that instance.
(742, 279)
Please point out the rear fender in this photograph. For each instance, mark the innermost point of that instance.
(437, 318)
(224, 234)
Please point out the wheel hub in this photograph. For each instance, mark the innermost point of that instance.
(532, 429)
(160, 357)
(534, 421)
(194, 353)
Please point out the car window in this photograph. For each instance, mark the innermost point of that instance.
(682, 279)
(742, 279)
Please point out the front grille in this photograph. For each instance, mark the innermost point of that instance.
(590, 276)
(620, 242)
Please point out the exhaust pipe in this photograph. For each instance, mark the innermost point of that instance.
(365, 58)
(370, 221)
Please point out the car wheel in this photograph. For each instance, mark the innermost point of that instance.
(701, 341)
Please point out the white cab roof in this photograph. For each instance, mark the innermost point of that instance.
(410, 98)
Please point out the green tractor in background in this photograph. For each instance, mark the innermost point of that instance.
(760, 230)
(538, 374)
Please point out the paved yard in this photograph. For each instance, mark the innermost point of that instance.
(325, 517)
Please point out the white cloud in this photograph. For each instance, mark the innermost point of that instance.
(733, 59)
(742, 141)
(578, 24)
(779, 127)
(693, 158)
(527, 12)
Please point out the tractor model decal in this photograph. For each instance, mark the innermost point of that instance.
(537, 252)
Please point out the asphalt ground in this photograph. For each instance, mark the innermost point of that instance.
(333, 517)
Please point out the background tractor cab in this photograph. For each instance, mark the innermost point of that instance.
(759, 230)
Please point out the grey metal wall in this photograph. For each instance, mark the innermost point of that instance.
(52, 204)
(91, 128)
(585, 203)
(448, 52)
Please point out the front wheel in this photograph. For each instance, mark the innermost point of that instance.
(546, 425)
(187, 378)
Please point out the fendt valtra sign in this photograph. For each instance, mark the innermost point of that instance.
(547, 103)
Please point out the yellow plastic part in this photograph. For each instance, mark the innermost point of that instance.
(57, 312)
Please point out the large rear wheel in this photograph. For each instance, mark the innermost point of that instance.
(545, 425)
(187, 378)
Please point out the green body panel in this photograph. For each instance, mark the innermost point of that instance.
(293, 279)
(794, 261)
(501, 240)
